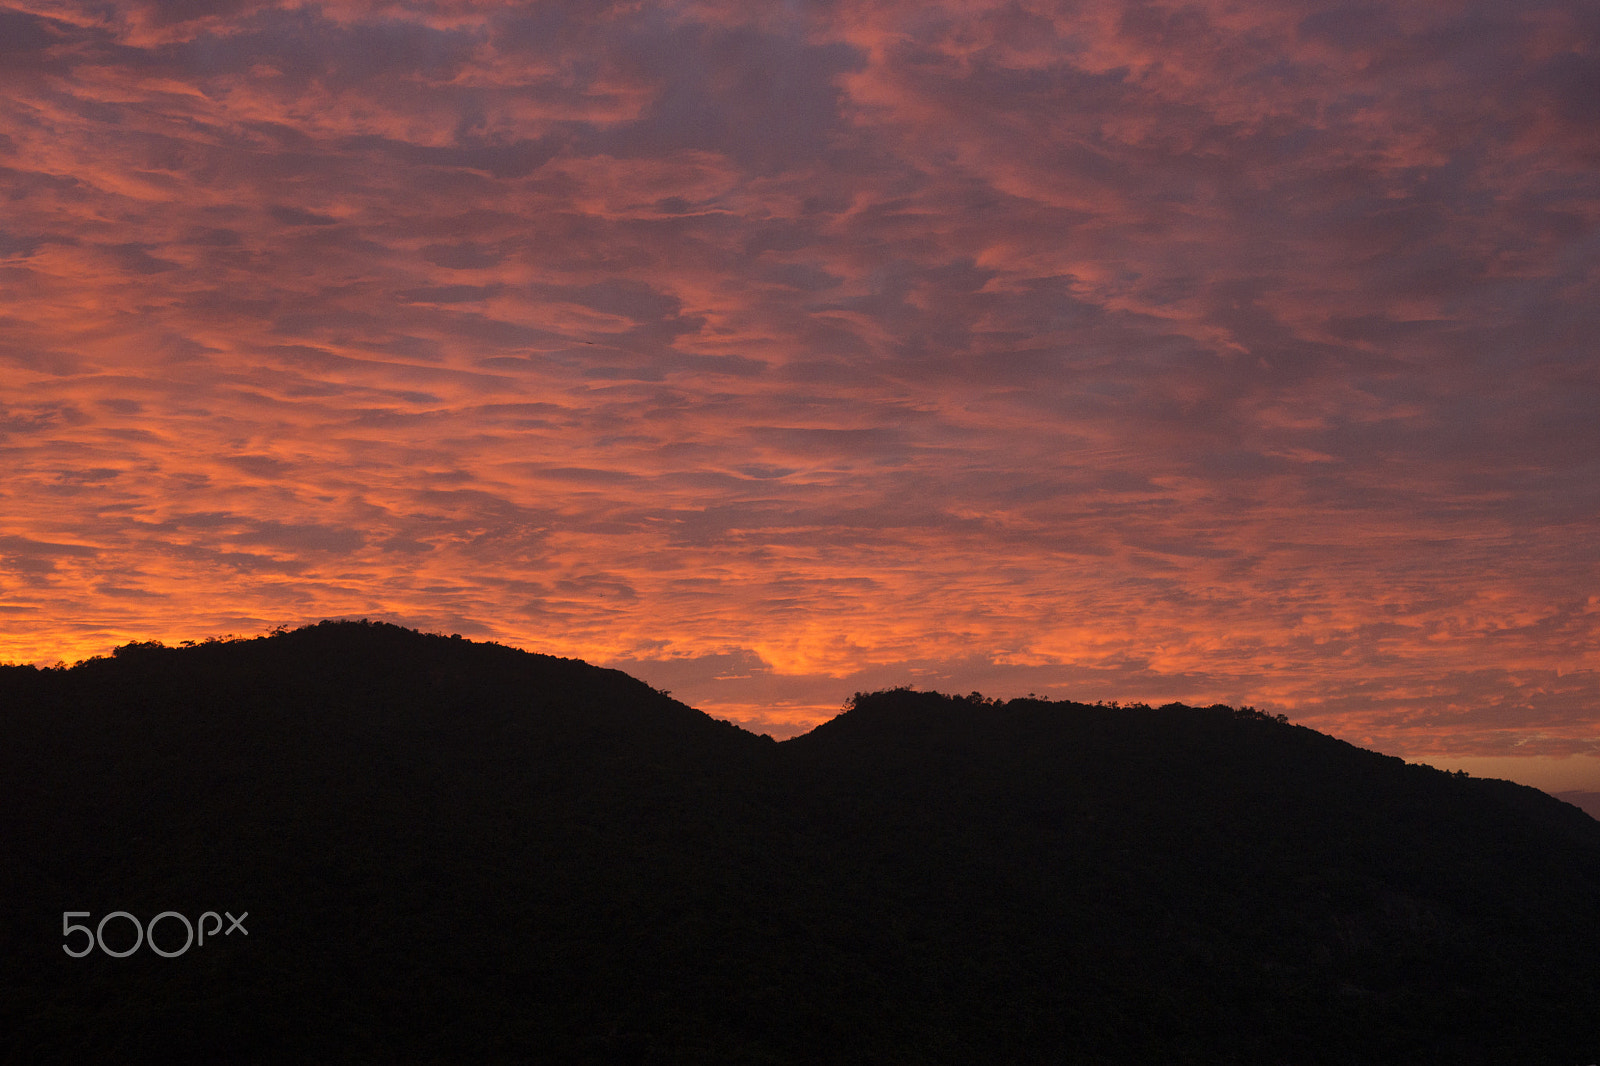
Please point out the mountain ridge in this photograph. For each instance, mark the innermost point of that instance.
(452, 849)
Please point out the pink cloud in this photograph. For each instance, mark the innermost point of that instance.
(1140, 351)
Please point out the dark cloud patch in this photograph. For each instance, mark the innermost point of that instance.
(175, 12)
(124, 592)
(624, 297)
(299, 216)
(262, 466)
(581, 476)
(1567, 89)
(765, 100)
(609, 587)
(516, 159)
(518, 413)
(1351, 26)
(25, 36)
(802, 276)
(449, 294)
(332, 319)
(642, 372)
(213, 237)
(312, 537)
(309, 356)
(730, 365)
(33, 46)
(833, 443)
(493, 333)
(136, 259)
(427, 349)
(18, 245)
(25, 555)
(37, 418)
(94, 475)
(302, 47)
(211, 559)
(23, 546)
(201, 520)
(402, 545)
(463, 256)
(765, 472)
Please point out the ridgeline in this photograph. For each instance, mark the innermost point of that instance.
(454, 851)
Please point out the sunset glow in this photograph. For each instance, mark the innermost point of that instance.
(1217, 352)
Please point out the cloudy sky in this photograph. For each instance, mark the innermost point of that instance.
(1225, 351)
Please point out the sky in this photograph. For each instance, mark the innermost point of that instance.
(1213, 352)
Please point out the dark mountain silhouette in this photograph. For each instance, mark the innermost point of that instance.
(452, 851)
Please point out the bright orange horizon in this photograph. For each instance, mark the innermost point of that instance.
(1104, 350)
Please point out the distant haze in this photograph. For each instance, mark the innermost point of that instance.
(1118, 351)
(1589, 801)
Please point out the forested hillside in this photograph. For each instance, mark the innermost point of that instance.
(451, 851)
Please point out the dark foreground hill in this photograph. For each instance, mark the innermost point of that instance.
(452, 851)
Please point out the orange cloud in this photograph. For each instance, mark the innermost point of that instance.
(1141, 352)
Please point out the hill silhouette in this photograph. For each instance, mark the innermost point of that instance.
(454, 851)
